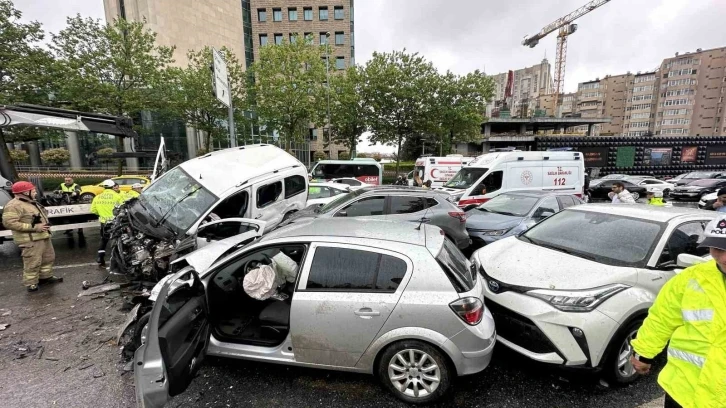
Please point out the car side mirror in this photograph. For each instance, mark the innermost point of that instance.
(686, 260)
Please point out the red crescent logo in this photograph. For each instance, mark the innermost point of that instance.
(432, 173)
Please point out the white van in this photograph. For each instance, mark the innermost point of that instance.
(438, 169)
(491, 174)
(364, 169)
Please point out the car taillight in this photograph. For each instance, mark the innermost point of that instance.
(469, 309)
(458, 214)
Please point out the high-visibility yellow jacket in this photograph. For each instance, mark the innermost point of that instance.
(127, 195)
(657, 201)
(690, 312)
(69, 189)
(18, 217)
(104, 203)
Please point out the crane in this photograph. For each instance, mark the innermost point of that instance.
(564, 24)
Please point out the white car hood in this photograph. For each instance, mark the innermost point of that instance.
(520, 263)
(203, 258)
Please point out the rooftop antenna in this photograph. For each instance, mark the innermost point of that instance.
(423, 218)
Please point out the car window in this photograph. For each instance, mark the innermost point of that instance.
(406, 205)
(683, 240)
(566, 201)
(605, 238)
(344, 269)
(350, 182)
(294, 185)
(364, 207)
(232, 206)
(548, 205)
(509, 204)
(456, 267)
(319, 192)
(121, 181)
(268, 194)
(491, 182)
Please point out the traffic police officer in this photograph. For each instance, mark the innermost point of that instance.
(133, 193)
(103, 205)
(68, 186)
(689, 315)
(655, 197)
(28, 221)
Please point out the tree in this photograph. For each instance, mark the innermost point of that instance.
(289, 88)
(19, 155)
(362, 155)
(55, 156)
(24, 66)
(459, 108)
(377, 157)
(320, 155)
(399, 94)
(347, 109)
(115, 68)
(192, 98)
(343, 156)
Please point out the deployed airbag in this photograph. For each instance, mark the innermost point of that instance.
(261, 283)
(285, 267)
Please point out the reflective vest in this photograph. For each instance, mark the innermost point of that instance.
(104, 203)
(127, 195)
(657, 201)
(690, 312)
(69, 189)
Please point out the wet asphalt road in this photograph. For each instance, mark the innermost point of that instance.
(80, 365)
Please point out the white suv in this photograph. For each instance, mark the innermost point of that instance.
(574, 289)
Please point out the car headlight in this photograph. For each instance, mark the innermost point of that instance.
(577, 300)
(493, 233)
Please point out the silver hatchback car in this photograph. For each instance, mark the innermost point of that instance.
(392, 299)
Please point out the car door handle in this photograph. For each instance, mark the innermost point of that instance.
(367, 312)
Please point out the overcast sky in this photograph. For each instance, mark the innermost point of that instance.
(464, 35)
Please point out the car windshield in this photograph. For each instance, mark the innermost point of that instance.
(456, 266)
(177, 198)
(605, 238)
(340, 200)
(465, 178)
(704, 182)
(509, 204)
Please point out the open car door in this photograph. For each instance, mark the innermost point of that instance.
(227, 228)
(177, 341)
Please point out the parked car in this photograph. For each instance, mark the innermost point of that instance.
(323, 193)
(707, 201)
(652, 184)
(511, 213)
(396, 203)
(676, 178)
(697, 175)
(574, 289)
(695, 190)
(5, 184)
(601, 190)
(124, 183)
(349, 277)
(353, 183)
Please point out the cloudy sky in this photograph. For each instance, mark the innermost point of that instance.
(464, 35)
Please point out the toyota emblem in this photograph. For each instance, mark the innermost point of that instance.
(493, 286)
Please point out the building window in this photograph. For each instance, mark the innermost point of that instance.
(276, 14)
(263, 40)
(278, 39)
(308, 38)
(308, 14)
(293, 38)
(323, 38)
(292, 14)
(340, 62)
(261, 15)
(339, 13)
(339, 38)
(323, 13)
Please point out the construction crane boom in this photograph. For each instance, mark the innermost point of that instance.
(563, 21)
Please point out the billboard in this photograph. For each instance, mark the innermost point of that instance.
(595, 156)
(657, 156)
(689, 154)
(716, 155)
(625, 157)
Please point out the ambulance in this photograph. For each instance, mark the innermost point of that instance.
(492, 174)
(438, 169)
(366, 170)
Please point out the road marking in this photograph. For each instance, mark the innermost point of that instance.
(74, 265)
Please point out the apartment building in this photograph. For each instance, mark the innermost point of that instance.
(529, 84)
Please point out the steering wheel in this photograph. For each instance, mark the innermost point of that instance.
(254, 264)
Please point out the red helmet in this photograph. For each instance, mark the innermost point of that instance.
(22, 187)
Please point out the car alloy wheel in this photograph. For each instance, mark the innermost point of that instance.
(636, 196)
(625, 367)
(87, 198)
(617, 368)
(414, 373)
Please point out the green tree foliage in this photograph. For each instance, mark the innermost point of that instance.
(320, 155)
(377, 157)
(343, 156)
(289, 88)
(459, 107)
(55, 156)
(192, 99)
(25, 67)
(347, 108)
(362, 155)
(19, 156)
(399, 96)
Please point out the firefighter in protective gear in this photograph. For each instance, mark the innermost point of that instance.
(655, 197)
(690, 313)
(133, 193)
(103, 206)
(28, 221)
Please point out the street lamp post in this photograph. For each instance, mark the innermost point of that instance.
(327, 74)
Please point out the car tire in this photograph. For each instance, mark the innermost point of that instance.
(140, 330)
(86, 198)
(666, 192)
(636, 196)
(617, 368)
(405, 381)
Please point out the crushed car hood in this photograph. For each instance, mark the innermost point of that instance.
(140, 219)
(203, 258)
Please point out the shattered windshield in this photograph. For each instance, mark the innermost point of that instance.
(177, 199)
